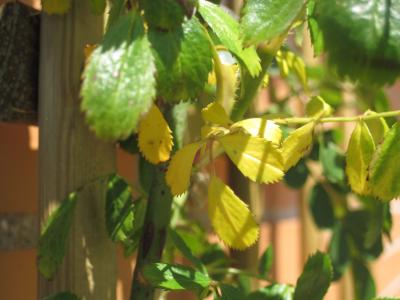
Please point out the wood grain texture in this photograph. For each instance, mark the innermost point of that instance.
(70, 157)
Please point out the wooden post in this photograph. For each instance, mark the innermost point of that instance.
(70, 157)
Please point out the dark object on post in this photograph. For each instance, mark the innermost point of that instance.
(19, 53)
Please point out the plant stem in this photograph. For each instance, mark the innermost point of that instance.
(305, 120)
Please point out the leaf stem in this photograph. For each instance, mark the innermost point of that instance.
(305, 120)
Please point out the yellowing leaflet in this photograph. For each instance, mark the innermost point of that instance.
(255, 157)
(155, 138)
(260, 127)
(214, 113)
(230, 217)
(180, 167)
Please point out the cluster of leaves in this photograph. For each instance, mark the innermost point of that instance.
(157, 53)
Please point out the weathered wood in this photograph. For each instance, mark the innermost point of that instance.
(70, 157)
(19, 47)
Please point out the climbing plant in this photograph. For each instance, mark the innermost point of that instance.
(158, 57)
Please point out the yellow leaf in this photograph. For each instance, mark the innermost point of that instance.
(58, 7)
(212, 131)
(378, 127)
(230, 217)
(297, 144)
(214, 113)
(180, 167)
(317, 107)
(359, 155)
(155, 139)
(257, 158)
(260, 127)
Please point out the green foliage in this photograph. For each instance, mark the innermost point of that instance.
(364, 283)
(315, 279)
(62, 296)
(98, 6)
(273, 292)
(176, 277)
(163, 14)
(362, 43)
(265, 262)
(321, 207)
(119, 83)
(183, 60)
(231, 293)
(54, 236)
(263, 20)
(297, 176)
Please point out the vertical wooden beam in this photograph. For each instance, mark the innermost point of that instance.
(70, 156)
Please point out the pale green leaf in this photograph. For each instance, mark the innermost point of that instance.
(214, 113)
(378, 127)
(317, 107)
(315, 279)
(257, 158)
(260, 127)
(175, 277)
(263, 20)
(54, 236)
(180, 167)
(230, 217)
(183, 58)
(297, 144)
(359, 155)
(155, 138)
(119, 83)
(226, 28)
(384, 170)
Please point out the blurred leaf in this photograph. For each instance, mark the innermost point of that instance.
(119, 209)
(230, 216)
(273, 292)
(321, 207)
(339, 251)
(364, 285)
(315, 279)
(297, 176)
(58, 7)
(186, 251)
(317, 39)
(117, 9)
(183, 58)
(97, 6)
(387, 220)
(230, 292)
(54, 237)
(175, 277)
(317, 107)
(119, 82)
(226, 28)
(333, 162)
(384, 172)
(163, 14)
(130, 144)
(132, 241)
(214, 113)
(63, 296)
(266, 261)
(378, 127)
(263, 20)
(146, 174)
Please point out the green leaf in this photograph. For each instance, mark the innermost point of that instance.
(183, 58)
(266, 261)
(119, 209)
(54, 236)
(364, 285)
(321, 207)
(297, 176)
(175, 277)
(339, 251)
(62, 296)
(130, 144)
(97, 6)
(333, 162)
(230, 292)
(117, 9)
(315, 279)
(263, 20)
(273, 292)
(317, 107)
(119, 83)
(359, 155)
(378, 127)
(317, 39)
(163, 14)
(362, 38)
(384, 173)
(226, 28)
(186, 251)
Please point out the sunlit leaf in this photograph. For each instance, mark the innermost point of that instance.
(317, 107)
(58, 7)
(54, 236)
(119, 83)
(378, 127)
(175, 277)
(359, 155)
(257, 158)
(226, 28)
(315, 279)
(155, 138)
(384, 171)
(214, 113)
(180, 167)
(297, 144)
(230, 217)
(260, 127)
